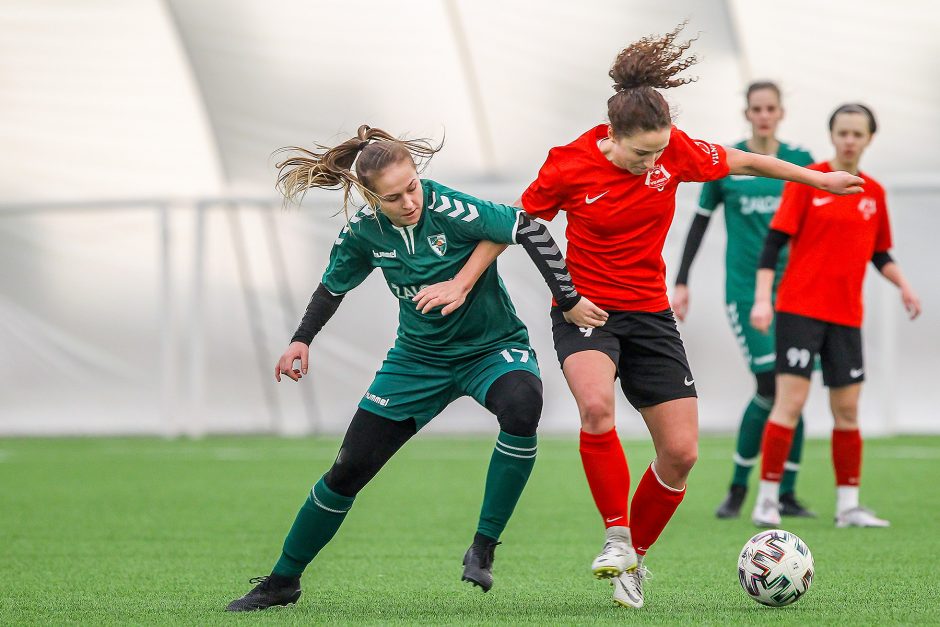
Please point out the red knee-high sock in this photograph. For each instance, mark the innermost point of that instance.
(653, 505)
(607, 474)
(775, 450)
(847, 456)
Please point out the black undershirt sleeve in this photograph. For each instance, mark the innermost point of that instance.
(692, 242)
(772, 245)
(881, 259)
(543, 251)
(320, 309)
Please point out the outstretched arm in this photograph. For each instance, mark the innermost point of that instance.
(890, 270)
(680, 297)
(841, 183)
(323, 304)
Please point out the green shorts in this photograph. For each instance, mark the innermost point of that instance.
(758, 348)
(409, 386)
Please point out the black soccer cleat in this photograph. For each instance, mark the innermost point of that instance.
(271, 590)
(478, 564)
(731, 506)
(789, 506)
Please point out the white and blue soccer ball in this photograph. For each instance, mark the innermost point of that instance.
(775, 568)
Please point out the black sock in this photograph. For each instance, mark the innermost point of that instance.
(482, 540)
(282, 581)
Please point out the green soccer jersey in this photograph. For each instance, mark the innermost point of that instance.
(431, 251)
(750, 203)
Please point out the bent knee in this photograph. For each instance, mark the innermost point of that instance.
(679, 459)
(597, 414)
(346, 478)
(516, 399)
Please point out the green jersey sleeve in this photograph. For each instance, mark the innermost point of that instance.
(710, 197)
(473, 218)
(350, 261)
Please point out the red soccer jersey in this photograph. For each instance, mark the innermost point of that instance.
(617, 221)
(833, 239)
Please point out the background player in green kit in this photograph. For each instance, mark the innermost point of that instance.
(419, 233)
(750, 203)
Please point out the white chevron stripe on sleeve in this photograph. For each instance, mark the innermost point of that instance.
(459, 209)
(473, 215)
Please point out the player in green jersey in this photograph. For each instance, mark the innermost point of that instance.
(750, 203)
(419, 233)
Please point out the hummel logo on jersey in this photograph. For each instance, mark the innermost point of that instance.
(388, 254)
(868, 207)
(819, 201)
(856, 372)
(657, 178)
(688, 382)
(438, 244)
(588, 200)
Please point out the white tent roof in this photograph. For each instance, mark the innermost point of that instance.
(113, 98)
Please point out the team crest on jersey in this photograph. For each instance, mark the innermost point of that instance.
(438, 244)
(657, 178)
(868, 207)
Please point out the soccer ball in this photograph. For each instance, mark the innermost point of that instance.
(775, 568)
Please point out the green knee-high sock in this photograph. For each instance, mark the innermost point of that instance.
(315, 525)
(510, 466)
(750, 434)
(792, 465)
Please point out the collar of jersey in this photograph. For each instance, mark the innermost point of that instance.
(594, 136)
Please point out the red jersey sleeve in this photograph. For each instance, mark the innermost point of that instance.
(883, 238)
(698, 159)
(789, 217)
(542, 199)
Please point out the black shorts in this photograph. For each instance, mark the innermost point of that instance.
(645, 347)
(800, 339)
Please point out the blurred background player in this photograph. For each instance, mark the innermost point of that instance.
(418, 232)
(617, 182)
(819, 312)
(749, 203)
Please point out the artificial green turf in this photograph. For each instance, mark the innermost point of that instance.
(135, 531)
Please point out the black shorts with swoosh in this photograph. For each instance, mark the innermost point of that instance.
(645, 346)
(801, 338)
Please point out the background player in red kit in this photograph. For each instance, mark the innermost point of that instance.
(749, 205)
(618, 183)
(819, 311)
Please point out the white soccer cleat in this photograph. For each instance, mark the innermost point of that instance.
(628, 587)
(617, 555)
(859, 517)
(766, 513)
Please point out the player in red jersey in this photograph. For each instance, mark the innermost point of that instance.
(618, 183)
(819, 311)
